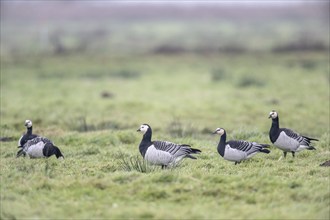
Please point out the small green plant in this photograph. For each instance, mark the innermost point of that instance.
(134, 163)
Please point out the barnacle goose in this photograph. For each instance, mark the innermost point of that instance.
(237, 150)
(28, 135)
(39, 147)
(163, 153)
(286, 139)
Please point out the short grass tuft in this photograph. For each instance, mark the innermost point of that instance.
(134, 163)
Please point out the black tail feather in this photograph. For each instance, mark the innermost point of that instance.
(311, 148)
(265, 145)
(266, 151)
(195, 151)
(192, 151)
(311, 139)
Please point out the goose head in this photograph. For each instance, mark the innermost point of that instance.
(28, 123)
(219, 131)
(273, 114)
(143, 128)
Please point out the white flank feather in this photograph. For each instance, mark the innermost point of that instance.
(286, 143)
(232, 154)
(35, 151)
(158, 157)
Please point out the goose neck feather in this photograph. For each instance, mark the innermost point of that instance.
(222, 144)
(274, 130)
(146, 142)
(29, 131)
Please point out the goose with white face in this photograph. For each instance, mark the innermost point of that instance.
(237, 150)
(286, 139)
(219, 131)
(28, 123)
(163, 153)
(28, 136)
(273, 114)
(143, 128)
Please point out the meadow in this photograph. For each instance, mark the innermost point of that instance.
(91, 104)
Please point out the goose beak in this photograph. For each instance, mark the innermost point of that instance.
(269, 116)
(138, 130)
(214, 132)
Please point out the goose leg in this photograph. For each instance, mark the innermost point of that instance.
(293, 153)
(284, 154)
(164, 167)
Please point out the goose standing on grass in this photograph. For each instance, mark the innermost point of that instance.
(236, 150)
(163, 153)
(286, 139)
(40, 147)
(28, 135)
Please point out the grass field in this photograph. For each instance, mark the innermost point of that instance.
(183, 102)
(91, 102)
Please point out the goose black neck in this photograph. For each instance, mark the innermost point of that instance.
(275, 122)
(147, 135)
(29, 130)
(222, 144)
(146, 142)
(274, 129)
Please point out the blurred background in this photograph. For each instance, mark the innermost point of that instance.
(162, 27)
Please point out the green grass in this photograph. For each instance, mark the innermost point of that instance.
(184, 100)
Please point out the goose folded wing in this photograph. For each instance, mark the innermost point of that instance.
(46, 140)
(296, 136)
(37, 140)
(31, 142)
(243, 145)
(172, 148)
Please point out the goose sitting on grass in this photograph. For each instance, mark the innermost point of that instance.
(237, 150)
(40, 147)
(163, 153)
